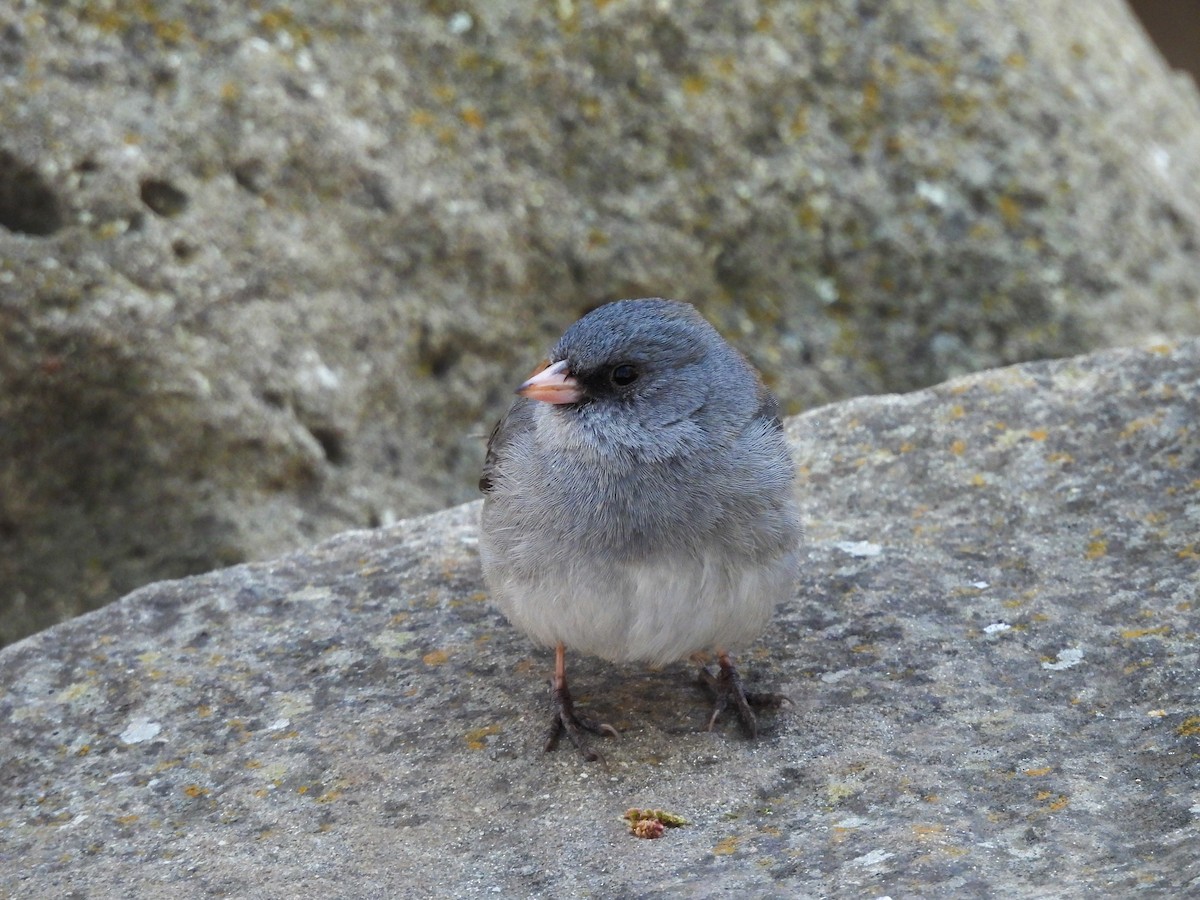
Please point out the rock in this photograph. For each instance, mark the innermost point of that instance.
(270, 272)
(992, 656)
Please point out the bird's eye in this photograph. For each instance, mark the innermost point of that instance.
(624, 375)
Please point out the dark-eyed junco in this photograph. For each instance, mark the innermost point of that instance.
(638, 502)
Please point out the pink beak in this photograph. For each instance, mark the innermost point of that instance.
(552, 385)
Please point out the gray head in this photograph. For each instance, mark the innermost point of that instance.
(647, 377)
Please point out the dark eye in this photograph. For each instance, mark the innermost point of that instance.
(624, 375)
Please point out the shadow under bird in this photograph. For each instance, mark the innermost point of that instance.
(638, 504)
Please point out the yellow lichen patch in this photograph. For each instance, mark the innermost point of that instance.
(1010, 210)
(1038, 773)
(1189, 552)
(798, 127)
(726, 846)
(435, 657)
(472, 117)
(1038, 434)
(476, 738)
(591, 108)
(1189, 727)
(283, 19)
(694, 84)
(1096, 549)
(958, 447)
(978, 480)
(127, 820)
(194, 791)
(170, 32)
(837, 791)
(1130, 634)
(870, 98)
(1138, 424)
(957, 411)
(981, 230)
(74, 691)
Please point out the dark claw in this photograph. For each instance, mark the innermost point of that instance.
(726, 686)
(565, 720)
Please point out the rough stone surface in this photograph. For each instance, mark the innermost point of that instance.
(268, 270)
(992, 654)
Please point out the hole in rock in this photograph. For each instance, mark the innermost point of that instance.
(27, 203)
(163, 197)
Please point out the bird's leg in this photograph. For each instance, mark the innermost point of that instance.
(726, 687)
(564, 718)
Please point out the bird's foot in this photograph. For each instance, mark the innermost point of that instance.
(565, 721)
(726, 688)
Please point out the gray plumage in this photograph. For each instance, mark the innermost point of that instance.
(650, 519)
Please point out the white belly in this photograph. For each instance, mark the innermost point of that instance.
(654, 611)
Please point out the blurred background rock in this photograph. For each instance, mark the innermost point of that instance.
(270, 272)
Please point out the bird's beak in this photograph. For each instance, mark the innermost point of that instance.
(552, 385)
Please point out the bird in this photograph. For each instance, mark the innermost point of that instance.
(639, 505)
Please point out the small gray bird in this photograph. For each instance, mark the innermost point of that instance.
(638, 503)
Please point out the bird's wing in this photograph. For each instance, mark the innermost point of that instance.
(768, 406)
(517, 420)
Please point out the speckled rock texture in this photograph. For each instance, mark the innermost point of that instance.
(992, 655)
(268, 271)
